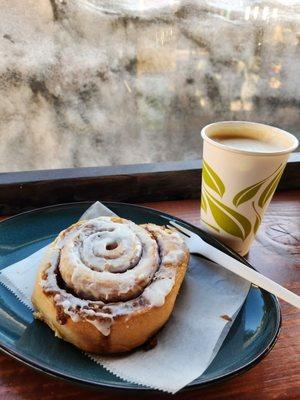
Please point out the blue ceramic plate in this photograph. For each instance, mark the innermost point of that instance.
(251, 337)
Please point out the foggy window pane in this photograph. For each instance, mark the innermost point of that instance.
(91, 82)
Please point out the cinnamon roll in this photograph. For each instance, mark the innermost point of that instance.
(107, 285)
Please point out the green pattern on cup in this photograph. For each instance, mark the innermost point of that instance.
(212, 180)
(257, 219)
(210, 225)
(203, 203)
(228, 219)
(270, 189)
(249, 192)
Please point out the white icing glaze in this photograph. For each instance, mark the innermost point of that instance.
(160, 278)
(102, 326)
(172, 256)
(155, 293)
(88, 267)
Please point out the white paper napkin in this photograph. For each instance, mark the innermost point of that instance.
(191, 338)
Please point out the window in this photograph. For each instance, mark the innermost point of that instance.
(90, 82)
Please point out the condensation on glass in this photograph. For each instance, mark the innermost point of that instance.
(90, 82)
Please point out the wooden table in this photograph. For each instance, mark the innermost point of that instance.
(276, 253)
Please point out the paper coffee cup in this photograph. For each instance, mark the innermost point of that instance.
(238, 184)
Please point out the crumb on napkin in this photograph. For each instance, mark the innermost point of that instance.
(226, 317)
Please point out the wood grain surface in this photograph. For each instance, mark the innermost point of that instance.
(276, 253)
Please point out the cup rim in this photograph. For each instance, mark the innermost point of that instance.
(291, 137)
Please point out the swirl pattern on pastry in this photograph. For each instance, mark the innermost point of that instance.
(99, 270)
(108, 260)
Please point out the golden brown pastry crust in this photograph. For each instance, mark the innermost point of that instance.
(127, 331)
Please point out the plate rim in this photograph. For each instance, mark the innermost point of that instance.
(31, 362)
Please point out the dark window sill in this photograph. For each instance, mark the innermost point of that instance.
(20, 191)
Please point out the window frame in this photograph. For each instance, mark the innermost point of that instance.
(22, 191)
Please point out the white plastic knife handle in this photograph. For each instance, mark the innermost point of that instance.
(249, 274)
